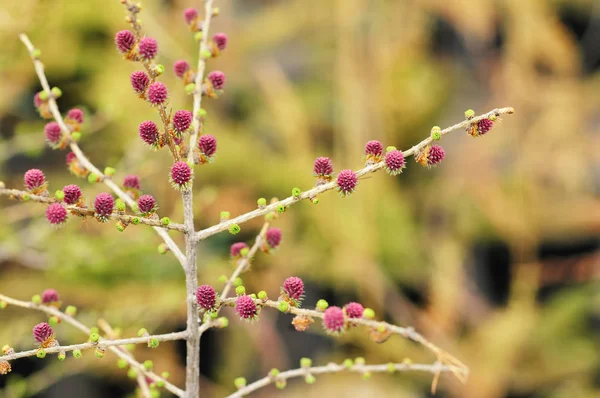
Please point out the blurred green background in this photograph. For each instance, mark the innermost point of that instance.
(493, 255)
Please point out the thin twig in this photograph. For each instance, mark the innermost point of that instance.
(39, 69)
(434, 368)
(311, 193)
(87, 212)
(74, 322)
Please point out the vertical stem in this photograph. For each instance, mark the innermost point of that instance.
(192, 374)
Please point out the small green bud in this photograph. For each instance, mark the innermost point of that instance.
(253, 296)
(93, 178)
(368, 313)
(165, 221)
(60, 195)
(40, 353)
(225, 215)
(61, 356)
(262, 295)
(436, 133)
(153, 343)
(198, 36)
(148, 364)
(56, 92)
(121, 363)
(493, 118)
(239, 382)
(201, 113)
(159, 69)
(216, 11)
(348, 363)
(390, 148)
(206, 54)
(240, 290)
(315, 200)
(391, 367)
(274, 372)
(94, 329)
(36, 53)
(283, 306)
(322, 305)
(109, 171)
(99, 352)
(305, 362)
(310, 379)
(135, 208)
(381, 328)
(366, 375)
(234, 229)
(261, 202)
(238, 282)
(281, 209)
(190, 88)
(71, 310)
(469, 114)
(296, 192)
(154, 393)
(76, 354)
(162, 248)
(37, 299)
(244, 252)
(269, 217)
(120, 205)
(3, 304)
(135, 220)
(165, 375)
(130, 347)
(76, 136)
(120, 227)
(44, 95)
(142, 332)
(160, 383)
(132, 373)
(223, 279)
(223, 322)
(94, 337)
(213, 314)
(280, 384)
(53, 320)
(359, 361)
(25, 197)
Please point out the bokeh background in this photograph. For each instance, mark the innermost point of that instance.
(493, 255)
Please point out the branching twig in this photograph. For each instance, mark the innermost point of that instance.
(39, 69)
(434, 368)
(205, 233)
(87, 212)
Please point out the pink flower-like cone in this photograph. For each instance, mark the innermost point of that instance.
(236, 248)
(190, 15)
(207, 144)
(139, 81)
(333, 320)
(220, 40)
(148, 132)
(131, 182)
(217, 79)
(56, 214)
(125, 41)
(147, 205)
(273, 237)
(374, 151)
(436, 155)
(354, 310)
(346, 182)
(53, 134)
(182, 120)
(394, 162)
(103, 205)
(72, 194)
(148, 48)
(246, 308)
(157, 93)
(43, 334)
(323, 169)
(206, 297)
(180, 68)
(293, 290)
(50, 296)
(35, 181)
(75, 115)
(484, 125)
(181, 175)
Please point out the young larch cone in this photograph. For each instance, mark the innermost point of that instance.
(217, 79)
(394, 162)
(125, 41)
(207, 144)
(374, 151)
(148, 132)
(43, 334)
(246, 308)
(75, 115)
(206, 297)
(50, 296)
(148, 48)
(157, 93)
(436, 155)
(35, 181)
(139, 81)
(354, 310)
(190, 15)
(484, 125)
(72, 194)
(52, 133)
(346, 182)
(147, 205)
(181, 175)
(236, 248)
(323, 169)
(103, 205)
(180, 68)
(131, 182)
(220, 40)
(273, 237)
(293, 290)
(75, 166)
(333, 320)
(182, 120)
(56, 214)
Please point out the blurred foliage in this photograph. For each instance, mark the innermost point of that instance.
(310, 78)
